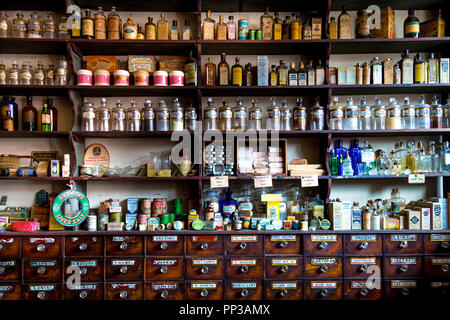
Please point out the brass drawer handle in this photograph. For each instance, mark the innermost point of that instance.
(283, 293)
(204, 269)
(204, 293)
(41, 295)
(244, 269)
(123, 269)
(83, 247)
(363, 268)
(164, 294)
(123, 294)
(123, 246)
(444, 268)
(83, 294)
(164, 246)
(283, 244)
(445, 245)
(83, 270)
(323, 269)
(243, 245)
(403, 244)
(164, 269)
(41, 247)
(323, 293)
(323, 245)
(244, 293)
(364, 292)
(405, 291)
(41, 270)
(363, 245)
(403, 268)
(2, 270)
(284, 269)
(204, 246)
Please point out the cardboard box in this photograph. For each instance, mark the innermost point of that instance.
(342, 75)
(387, 25)
(147, 63)
(332, 75)
(347, 215)
(443, 70)
(412, 217)
(391, 224)
(172, 63)
(335, 215)
(316, 28)
(388, 71)
(273, 210)
(351, 75)
(109, 63)
(356, 219)
(432, 28)
(263, 70)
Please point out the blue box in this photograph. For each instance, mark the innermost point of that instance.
(132, 205)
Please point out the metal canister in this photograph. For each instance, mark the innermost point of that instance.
(164, 218)
(143, 218)
(258, 35)
(243, 29)
(54, 168)
(116, 217)
(102, 221)
(295, 225)
(251, 34)
(157, 207)
(92, 222)
(146, 206)
(304, 225)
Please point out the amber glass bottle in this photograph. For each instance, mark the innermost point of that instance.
(29, 116)
(223, 71)
(237, 74)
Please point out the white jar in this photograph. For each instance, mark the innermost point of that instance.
(121, 78)
(84, 77)
(176, 78)
(101, 78)
(160, 78)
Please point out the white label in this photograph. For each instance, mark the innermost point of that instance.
(243, 238)
(164, 286)
(229, 208)
(262, 181)
(46, 240)
(165, 238)
(85, 287)
(416, 178)
(310, 181)
(91, 263)
(6, 288)
(322, 285)
(320, 238)
(203, 286)
(123, 262)
(439, 261)
(42, 263)
(403, 284)
(363, 260)
(219, 182)
(317, 261)
(42, 288)
(357, 238)
(164, 262)
(440, 237)
(7, 263)
(243, 262)
(123, 285)
(403, 261)
(196, 262)
(403, 237)
(285, 285)
(283, 238)
(243, 285)
(362, 284)
(289, 262)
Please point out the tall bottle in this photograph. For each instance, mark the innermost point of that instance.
(45, 119)
(292, 75)
(99, 24)
(336, 115)
(174, 34)
(53, 115)
(248, 77)
(190, 71)
(332, 28)
(266, 24)
(176, 116)
(285, 116)
(103, 116)
(19, 26)
(423, 114)
(13, 74)
(34, 27)
(273, 116)
(277, 27)
(148, 116)
(344, 25)
(255, 116)
(208, 27)
(225, 117)
(187, 32)
(407, 67)
(447, 114)
(302, 76)
(133, 117)
(376, 71)
(29, 116)
(394, 115)
(300, 115)
(114, 24)
(3, 76)
(307, 30)
(408, 115)
(162, 28)
(282, 74)
(162, 117)
(364, 115)
(150, 29)
(287, 28)
(119, 117)
(411, 26)
(190, 117)
(223, 71)
(211, 116)
(436, 114)
(317, 116)
(210, 73)
(273, 76)
(237, 74)
(311, 74)
(432, 69)
(240, 116)
(296, 30)
(320, 73)
(419, 69)
(4, 25)
(49, 27)
(63, 30)
(350, 121)
(87, 25)
(445, 157)
(434, 158)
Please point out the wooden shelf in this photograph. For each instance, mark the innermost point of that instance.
(375, 133)
(100, 179)
(219, 91)
(123, 134)
(139, 5)
(33, 46)
(36, 178)
(427, 175)
(389, 89)
(34, 134)
(32, 90)
(134, 91)
(32, 5)
(336, 5)
(259, 5)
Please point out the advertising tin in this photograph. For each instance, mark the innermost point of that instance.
(102, 221)
(243, 29)
(54, 168)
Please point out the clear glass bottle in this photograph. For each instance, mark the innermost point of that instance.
(364, 115)
(255, 116)
(410, 159)
(400, 153)
(336, 115)
(285, 116)
(445, 158)
(394, 115)
(50, 75)
(187, 34)
(350, 121)
(225, 117)
(436, 114)
(211, 116)
(102, 116)
(408, 115)
(300, 116)
(4, 25)
(245, 205)
(133, 117)
(376, 69)
(425, 162)
(379, 115)
(311, 74)
(282, 74)
(434, 158)
(148, 116)
(39, 76)
(3, 73)
(174, 34)
(118, 117)
(162, 117)
(61, 72)
(176, 116)
(19, 28)
(317, 116)
(13, 74)
(190, 118)
(62, 28)
(25, 74)
(347, 169)
(49, 27)
(396, 202)
(240, 116)
(423, 114)
(273, 116)
(367, 157)
(34, 28)
(88, 116)
(446, 123)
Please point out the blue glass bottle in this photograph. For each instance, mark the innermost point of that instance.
(9, 104)
(355, 154)
(447, 113)
(228, 206)
(340, 166)
(339, 149)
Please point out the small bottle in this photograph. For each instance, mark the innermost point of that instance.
(347, 169)
(174, 34)
(248, 75)
(7, 121)
(295, 28)
(63, 32)
(75, 26)
(317, 116)
(187, 34)
(364, 115)
(25, 73)
(45, 119)
(408, 115)
(50, 75)
(273, 116)
(102, 116)
(359, 74)
(225, 117)
(311, 74)
(447, 113)
(53, 115)
(285, 116)
(282, 74)
(162, 28)
(34, 28)
(240, 116)
(162, 117)
(221, 30)
(266, 25)
(423, 114)
(436, 114)
(377, 71)
(255, 116)
(292, 75)
(407, 67)
(211, 116)
(150, 29)
(129, 29)
(366, 73)
(350, 121)
(277, 27)
(210, 73)
(4, 25)
(231, 28)
(302, 76)
(320, 73)
(332, 29)
(208, 27)
(13, 74)
(87, 116)
(237, 73)
(393, 115)
(148, 116)
(190, 118)
(19, 28)
(273, 76)
(29, 116)
(49, 27)
(114, 25)
(99, 24)
(411, 26)
(299, 115)
(118, 117)
(419, 69)
(140, 33)
(87, 25)
(287, 28)
(223, 71)
(432, 69)
(3, 73)
(344, 24)
(307, 30)
(176, 116)
(397, 74)
(336, 115)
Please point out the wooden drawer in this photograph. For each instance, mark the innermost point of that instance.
(84, 246)
(204, 290)
(438, 288)
(164, 290)
(10, 269)
(323, 267)
(438, 267)
(124, 245)
(284, 267)
(361, 267)
(244, 245)
(400, 289)
(360, 290)
(34, 247)
(9, 247)
(323, 244)
(403, 243)
(204, 245)
(124, 268)
(363, 244)
(85, 291)
(42, 270)
(323, 290)
(124, 291)
(165, 245)
(42, 291)
(284, 290)
(244, 268)
(282, 244)
(10, 291)
(165, 268)
(243, 290)
(204, 268)
(90, 269)
(437, 243)
(402, 266)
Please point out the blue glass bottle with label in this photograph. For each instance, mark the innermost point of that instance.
(9, 104)
(355, 155)
(228, 206)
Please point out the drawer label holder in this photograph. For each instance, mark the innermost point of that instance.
(284, 285)
(124, 262)
(203, 285)
(165, 238)
(243, 285)
(173, 262)
(403, 237)
(440, 261)
(323, 285)
(246, 262)
(198, 262)
(283, 238)
(361, 260)
(164, 286)
(368, 238)
(91, 263)
(284, 262)
(244, 238)
(399, 284)
(320, 238)
(321, 261)
(403, 261)
(440, 237)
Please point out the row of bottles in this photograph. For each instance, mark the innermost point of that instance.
(38, 76)
(9, 114)
(280, 75)
(271, 28)
(161, 118)
(391, 117)
(412, 158)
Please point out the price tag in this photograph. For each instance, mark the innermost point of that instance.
(310, 181)
(416, 178)
(219, 182)
(263, 181)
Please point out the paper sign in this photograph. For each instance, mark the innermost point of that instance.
(219, 182)
(310, 181)
(416, 178)
(263, 181)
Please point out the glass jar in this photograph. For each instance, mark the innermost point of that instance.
(379, 115)
(317, 117)
(50, 75)
(62, 28)
(4, 25)
(88, 116)
(446, 114)
(3, 76)
(273, 121)
(34, 29)
(25, 73)
(133, 117)
(49, 27)
(423, 114)
(300, 115)
(13, 74)
(61, 72)
(39, 77)
(176, 116)
(19, 29)
(190, 118)
(225, 117)
(118, 117)
(285, 116)
(210, 116)
(394, 117)
(350, 121)
(148, 116)
(336, 115)
(364, 115)
(255, 116)
(162, 117)
(436, 114)
(240, 116)
(408, 115)
(102, 116)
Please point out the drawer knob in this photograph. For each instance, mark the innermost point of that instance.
(83, 294)
(403, 244)
(283, 293)
(323, 293)
(283, 244)
(284, 269)
(164, 294)
(123, 294)
(204, 293)
(243, 245)
(403, 268)
(83, 247)
(244, 269)
(244, 293)
(323, 269)
(363, 268)
(2, 270)
(323, 245)
(363, 245)
(123, 269)
(204, 245)
(364, 292)
(405, 291)
(164, 246)
(445, 244)
(41, 270)
(41, 295)
(83, 270)
(41, 247)
(2, 294)
(163, 269)
(444, 268)
(123, 246)
(204, 269)
(1, 246)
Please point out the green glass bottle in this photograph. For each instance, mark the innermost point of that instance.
(333, 163)
(45, 119)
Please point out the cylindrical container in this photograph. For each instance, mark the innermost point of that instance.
(304, 225)
(88, 117)
(258, 34)
(225, 118)
(146, 206)
(190, 118)
(177, 206)
(141, 78)
(376, 222)
(133, 117)
(176, 78)
(286, 118)
(142, 218)
(121, 78)
(367, 220)
(394, 116)
(237, 225)
(162, 117)
(148, 116)
(317, 118)
(102, 222)
(210, 116)
(84, 77)
(116, 217)
(295, 225)
(251, 34)
(160, 78)
(336, 118)
(408, 115)
(300, 117)
(273, 117)
(243, 29)
(157, 207)
(177, 116)
(118, 117)
(101, 78)
(164, 218)
(350, 121)
(92, 222)
(102, 117)
(172, 217)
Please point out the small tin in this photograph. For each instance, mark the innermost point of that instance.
(146, 206)
(164, 218)
(237, 225)
(251, 35)
(295, 225)
(102, 221)
(92, 222)
(287, 224)
(161, 227)
(143, 218)
(178, 225)
(325, 224)
(54, 168)
(171, 217)
(258, 35)
(197, 225)
(304, 225)
(116, 217)
(243, 29)
(246, 222)
(169, 226)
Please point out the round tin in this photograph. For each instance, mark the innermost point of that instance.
(176, 78)
(295, 225)
(304, 225)
(315, 223)
(243, 29)
(169, 226)
(178, 225)
(157, 207)
(251, 35)
(143, 218)
(146, 206)
(116, 217)
(164, 218)
(121, 78)
(287, 224)
(161, 227)
(277, 224)
(325, 224)
(141, 78)
(84, 77)
(246, 222)
(92, 222)
(102, 221)
(101, 78)
(160, 78)
(258, 35)
(197, 224)
(238, 225)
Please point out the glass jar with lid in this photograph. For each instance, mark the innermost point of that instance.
(225, 117)
(118, 117)
(212, 200)
(61, 72)
(350, 121)
(62, 28)
(49, 27)
(50, 75)
(317, 116)
(25, 73)
(255, 116)
(19, 28)
(394, 115)
(176, 116)
(336, 115)
(34, 28)
(133, 117)
(245, 205)
(364, 115)
(39, 77)
(3, 72)
(423, 114)
(436, 114)
(379, 115)
(190, 118)
(273, 115)
(210, 115)
(148, 116)
(300, 115)
(162, 117)
(88, 116)
(102, 116)
(285, 116)
(240, 116)
(4, 25)
(408, 115)
(13, 74)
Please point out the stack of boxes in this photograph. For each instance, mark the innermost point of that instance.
(260, 163)
(216, 163)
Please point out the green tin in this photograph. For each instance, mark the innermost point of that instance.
(164, 218)
(251, 35)
(258, 35)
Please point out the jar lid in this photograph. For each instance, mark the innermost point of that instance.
(84, 71)
(123, 72)
(161, 73)
(102, 72)
(141, 71)
(176, 73)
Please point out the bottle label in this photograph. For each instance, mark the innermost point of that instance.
(365, 113)
(231, 27)
(447, 159)
(189, 73)
(133, 115)
(228, 208)
(294, 208)
(408, 112)
(3, 25)
(311, 78)
(148, 115)
(210, 114)
(237, 76)
(351, 113)
(436, 112)
(446, 109)
(299, 114)
(223, 76)
(282, 77)
(412, 27)
(286, 114)
(422, 112)
(393, 113)
(130, 32)
(240, 114)
(2, 76)
(295, 31)
(336, 114)
(377, 74)
(118, 115)
(39, 76)
(150, 32)
(176, 115)
(317, 114)
(190, 115)
(419, 72)
(273, 79)
(256, 115)
(45, 119)
(28, 116)
(277, 31)
(380, 113)
(162, 115)
(62, 27)
(26, 75)
(13, 75)
(367, 157)
(273, 113)
(19, 26)
(266, 28)
(34, 26)
(227, 114)
(102, 115)
(245, 206)
(61, 71)
(302, 79)
(293, 79)
(99, 25)
(88, 115)
(49, 27)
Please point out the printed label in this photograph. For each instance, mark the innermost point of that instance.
(403, 261)
(323, 285)
(320, 238)
(284, 285)
(92, 263)
(165, 238)
(165, 262)
(123, 262)
(42, 263)
(124, 239)
(6, 288)
(439, 261)
(85, 287)
(283, 238)
(120, 286)
(164, 286)
(403, 284)
(243, 285)
(244, 238)
(42, 288)
(42, 240)
(362, 284)
(321, 261)
(403, 237)
(204, 238)
(196, 285)
(440, 237)
(284, 262)
(219, 182)
(358, 238)
(363, 260)
(197, 262)
(243, 262)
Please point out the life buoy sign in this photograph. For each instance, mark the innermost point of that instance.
(70, 208)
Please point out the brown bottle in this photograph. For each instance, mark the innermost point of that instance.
(411, 26)
(100, 24)
(29, 116)
(8, 122)
(248, 75)
(210, 73)
(287, 28)
(114, 25)
(223, 71)
(53, 115)
(87, 25)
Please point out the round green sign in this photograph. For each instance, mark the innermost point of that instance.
(70, 208)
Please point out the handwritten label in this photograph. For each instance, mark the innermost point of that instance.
(119, 286)
(309, 181)
(124, 239)
(362, 284)
(416, 178)
(42, 263)
(42, 288)
(262, 181)
(7, 263)
(164, 262)
(85, 287)
(219, 182)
